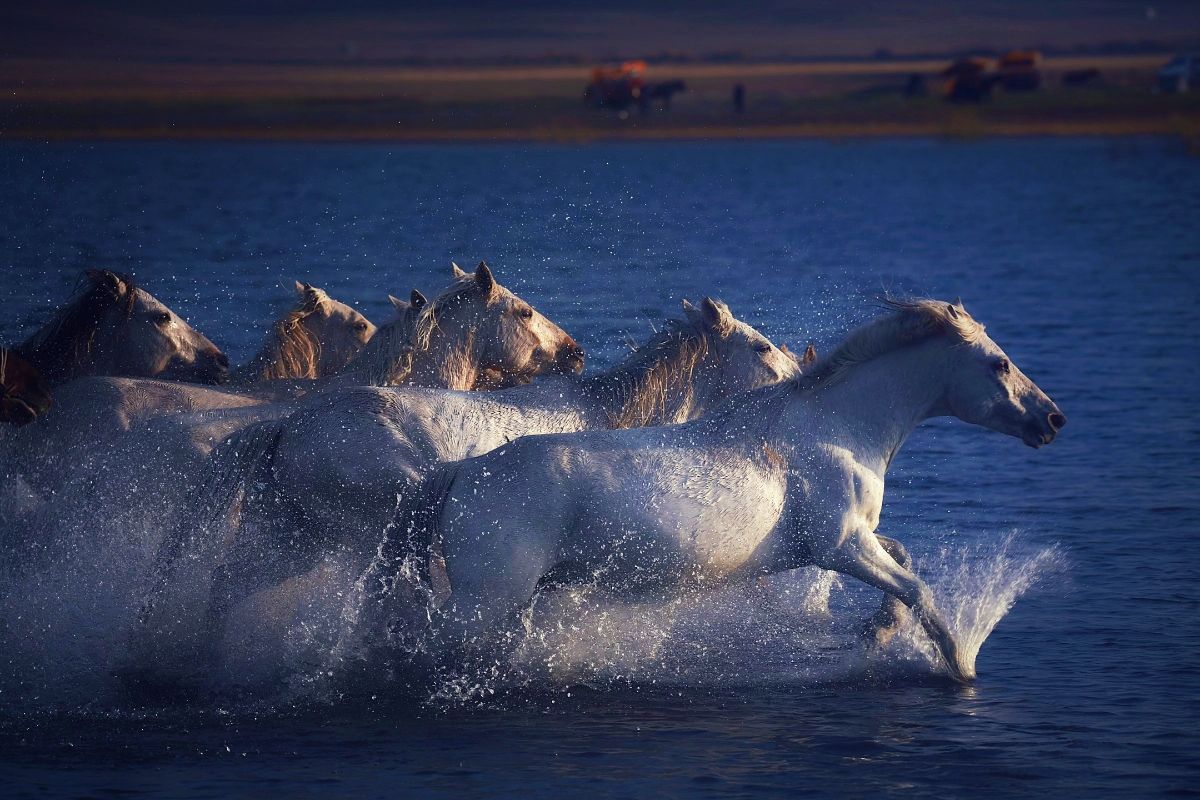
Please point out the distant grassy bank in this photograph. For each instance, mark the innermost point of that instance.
(331, 103)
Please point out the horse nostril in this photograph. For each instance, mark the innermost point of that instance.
(1056, 420)
(222, 360)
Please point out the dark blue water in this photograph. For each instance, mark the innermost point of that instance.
(1081, 256)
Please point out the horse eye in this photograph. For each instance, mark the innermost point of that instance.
(162, 318)
(525, 313)
(1003, 366)
(762, 347)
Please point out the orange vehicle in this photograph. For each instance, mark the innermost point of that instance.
(624, 86)
(1020, 71)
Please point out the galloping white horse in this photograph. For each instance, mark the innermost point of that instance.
(783, 477)
(111, 327)
(334, 470)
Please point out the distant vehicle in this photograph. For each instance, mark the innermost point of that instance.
(1020, 71)
(625, 86)
(968, 80)
(1088, 76)
(1179, 74)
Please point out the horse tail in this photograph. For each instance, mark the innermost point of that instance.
(239, 463)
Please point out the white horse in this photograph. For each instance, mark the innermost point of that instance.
(784, 477)
(315, 339)
(112, 327)
(334, 470)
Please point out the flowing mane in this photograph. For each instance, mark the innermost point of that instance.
(387, 359)
(455, 294)
(63, 344)
(913, 320)
(656, 381)
(291, 351)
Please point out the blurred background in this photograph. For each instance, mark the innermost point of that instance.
(568, 71)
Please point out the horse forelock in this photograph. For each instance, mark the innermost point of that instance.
(63, 343)
(656, 376)
(911, 320)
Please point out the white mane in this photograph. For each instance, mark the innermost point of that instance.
(913, 320)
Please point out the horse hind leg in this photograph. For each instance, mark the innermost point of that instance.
(883, 625)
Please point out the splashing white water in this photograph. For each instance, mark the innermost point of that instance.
(306, 639)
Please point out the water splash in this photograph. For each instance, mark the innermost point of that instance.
(327, 634)
(977, 586)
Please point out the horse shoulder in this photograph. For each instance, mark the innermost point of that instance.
(841, 495)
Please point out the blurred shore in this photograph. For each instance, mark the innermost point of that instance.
(64, 100)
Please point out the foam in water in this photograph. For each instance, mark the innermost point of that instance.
(65, 627)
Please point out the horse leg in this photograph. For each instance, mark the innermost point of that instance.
(862, 556)
(561, 575)
(885, 622)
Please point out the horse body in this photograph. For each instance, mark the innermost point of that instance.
(335, 468)
(784, 477)
(344, 460)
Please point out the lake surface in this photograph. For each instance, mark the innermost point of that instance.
(1081, 256)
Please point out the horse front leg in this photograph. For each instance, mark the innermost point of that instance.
(861, 555)
(884, 623)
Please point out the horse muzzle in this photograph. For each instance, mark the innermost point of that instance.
(570, 360)
(214, 368)
(1042, 431)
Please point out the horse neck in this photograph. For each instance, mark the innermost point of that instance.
(450, 362)
(280, 359)
(874, 407)
(638, 392)
(63, 359)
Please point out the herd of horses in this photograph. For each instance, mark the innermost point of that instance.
(457, 454)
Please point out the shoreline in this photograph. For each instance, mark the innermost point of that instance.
(1186, 127)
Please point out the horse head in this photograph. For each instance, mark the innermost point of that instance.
(689, 367)
(24, 395)
(112, 327)
(739, 357)
(986, 388)
(340, 332)
(480, 328)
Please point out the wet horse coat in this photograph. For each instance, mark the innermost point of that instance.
(780, 478)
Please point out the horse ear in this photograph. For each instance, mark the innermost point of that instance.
(484, 279)
(300, 287)
(314, 297)
(109, 279)
(810, 355)
(958, 302)
(457, 271)
(687, 305)
(398, 304)
(418, 300)
(783, 348)
(716, 316)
